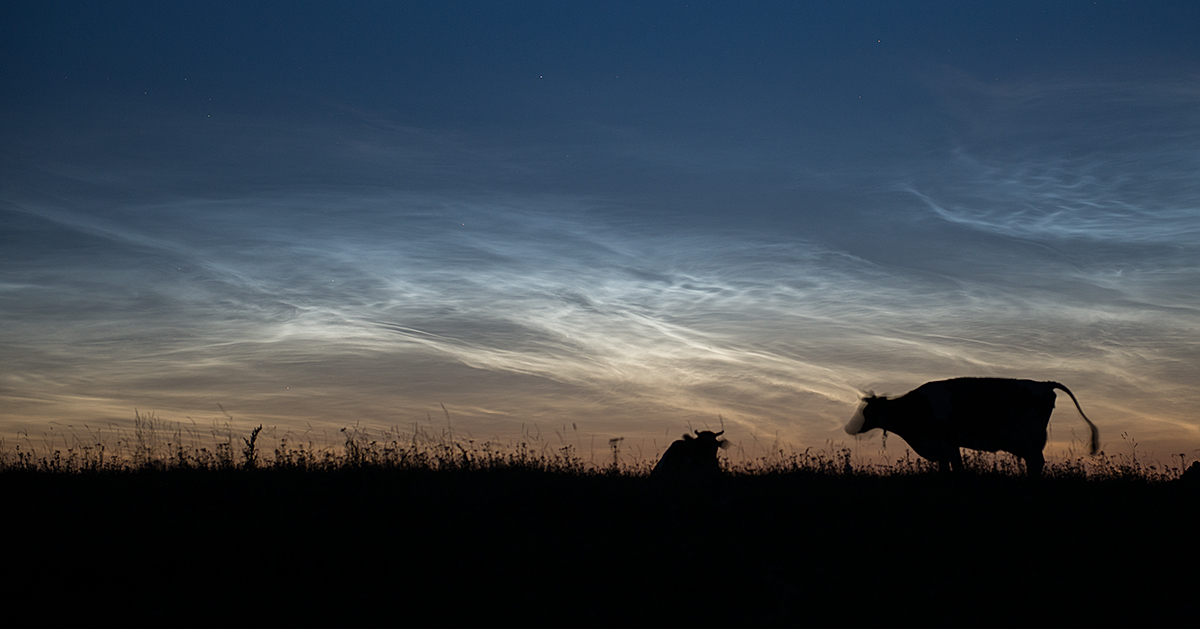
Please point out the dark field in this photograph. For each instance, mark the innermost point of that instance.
(446, 538)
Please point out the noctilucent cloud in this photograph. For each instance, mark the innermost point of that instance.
(624, 218)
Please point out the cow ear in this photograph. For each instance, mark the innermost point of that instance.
(687, 437)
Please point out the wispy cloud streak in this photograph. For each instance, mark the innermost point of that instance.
(1100, 161)
(777, 335)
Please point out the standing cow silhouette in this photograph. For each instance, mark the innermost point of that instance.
(937, 418)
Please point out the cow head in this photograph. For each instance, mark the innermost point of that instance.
(862, 420)
(706, 438)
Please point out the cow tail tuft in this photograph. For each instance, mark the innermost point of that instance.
(1095, 441)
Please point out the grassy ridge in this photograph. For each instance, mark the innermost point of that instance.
(381, 532)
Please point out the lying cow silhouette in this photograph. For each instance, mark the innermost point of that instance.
(937, 418)
(691, 457)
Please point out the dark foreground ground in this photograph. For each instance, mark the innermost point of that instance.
(404, 547)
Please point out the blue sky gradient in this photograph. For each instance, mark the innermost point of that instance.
(625, 218)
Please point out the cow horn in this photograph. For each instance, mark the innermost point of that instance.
(718, 434)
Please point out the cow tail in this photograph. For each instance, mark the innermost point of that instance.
(1095, 445)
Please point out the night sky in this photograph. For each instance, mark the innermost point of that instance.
(609, 219)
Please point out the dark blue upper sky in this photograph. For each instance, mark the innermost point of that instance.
(631, 214)
(550, 68)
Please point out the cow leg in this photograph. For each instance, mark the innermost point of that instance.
(952, 462)
(1034, 463)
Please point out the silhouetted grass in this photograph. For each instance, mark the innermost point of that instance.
(155, 444)
(177, 524)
